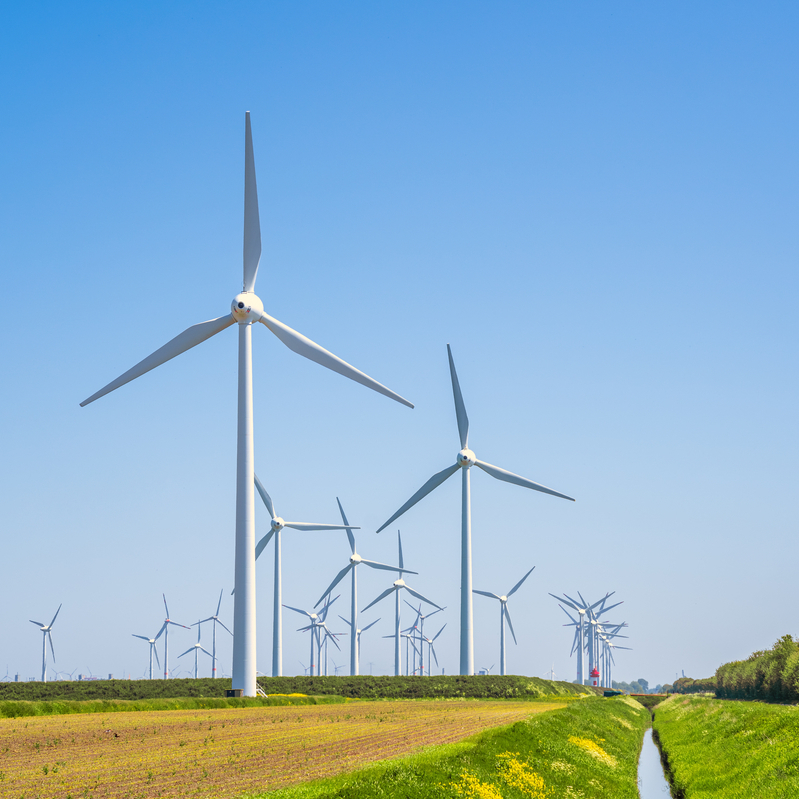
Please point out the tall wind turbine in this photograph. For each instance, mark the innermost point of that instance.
(504, 614)
(214, 620)
(153, 650)
(395, 589)
(246, 309)
(277, 524)
(464, 461)
(46, 636)
(165, 630)
(352, 566)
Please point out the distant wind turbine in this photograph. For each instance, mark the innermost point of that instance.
(246, 309)
(46, 636)
(215, 620)
(464, 461)
(165, 630)
(357, 637)
(153, 650)
(504, 614)
(197, 648)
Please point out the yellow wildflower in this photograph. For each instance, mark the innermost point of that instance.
(593, 749)
(520, 776)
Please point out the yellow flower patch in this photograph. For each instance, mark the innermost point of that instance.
(593, 749)
(520, 776)
(472, 788)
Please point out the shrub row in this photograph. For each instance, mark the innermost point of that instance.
(771, 675)
(686, 685)
(363, 687)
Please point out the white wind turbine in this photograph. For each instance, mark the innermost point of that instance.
(317, 621)
(352, 566)
(246, 309)
(357, 638)
(215, 620)
(165, 630)
(46, 636)
(504, 614)
(396, 588)
(464, 461)
(197, 648)
(277, 524)
(153, 651)
(582, 608)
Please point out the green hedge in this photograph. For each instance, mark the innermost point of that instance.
(686, 685)
(771, 675)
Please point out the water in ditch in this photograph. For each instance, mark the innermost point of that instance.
(652, 783)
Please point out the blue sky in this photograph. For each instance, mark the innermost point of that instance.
(594, 204)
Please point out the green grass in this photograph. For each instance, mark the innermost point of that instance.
(722, 749)
(533, 758)
(18, 708)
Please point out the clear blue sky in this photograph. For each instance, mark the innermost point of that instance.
(593, 203)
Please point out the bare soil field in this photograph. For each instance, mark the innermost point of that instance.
(224, 753)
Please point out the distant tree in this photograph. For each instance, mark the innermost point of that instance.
(644, 685)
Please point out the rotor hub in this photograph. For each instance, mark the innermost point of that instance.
(278, 524)
(399, 583)
(355, 558)
(466, 458)
(246, 308)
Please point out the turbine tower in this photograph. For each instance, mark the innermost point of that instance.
(46, 636)
(215, 620)
(197, 648)
(165, 630)
(357, 637)
(277, 524)
(504, 614)
(355, 561)
(246, 309)
(464, 461)
(153, 651)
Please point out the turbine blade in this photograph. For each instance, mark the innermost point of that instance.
(350, 536)
(304, 346)
(313, 526)
(336, 580)
(143, 637)
(382, 596)
(460, 408)
(37, 623)
(438, 633)
(433, 653)
(576, 604)
(569, 615)
(252, 223)
(565, 602)
(155, 652)
(177, 624)
(375, 565)
(519, 584)
(484, 593)
(159, 632)
(265, 497)
(56, 615)
(399, 547)
(434, 482)
(297, 610)
(166, 607)
(423, 598)
(220, 602)
(50, 639)
(364, 629)
(203, 649)
(191, 649)
(509, 477)
(261, 546)
(605, 610)
(221, 624)
(346, 621)
(189, 338)
(510, 625)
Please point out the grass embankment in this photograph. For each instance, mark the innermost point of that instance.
(720, 749)
(587, 749)
(363, 687)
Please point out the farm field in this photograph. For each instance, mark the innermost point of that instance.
(722, 749)
(226, 752)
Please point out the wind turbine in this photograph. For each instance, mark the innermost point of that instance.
(153, 651)
(277, 524)
(197, 648)
(418, 626)
(46, 636)
(398, 585)
(464, 461)
(215, 619)
(357, 638)
(246, 309)
(352, 566)
(317, 620)
(504, 614)
(431, 645)
(165, 630)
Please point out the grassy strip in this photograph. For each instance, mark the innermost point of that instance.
(16, 709)
(718, 749)
(363, 687)
(586, 749)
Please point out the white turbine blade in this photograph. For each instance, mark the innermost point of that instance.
(437, 634)
(261, 546)
(189, 338)
(56, 616)
(519, 584)
(313, 526)
(50, 639)
(364, 629)
(399, 553)
(191, 649)
(158, 662)
(433, 652)
(304, 346)
(434, 482)
(346, 621)
(382, 596)
(344, 519)
(576, 605)
(159, 632)
(37, 623)
(510, 477)
(202, 621)
(326, 608)
(374, 565)
(265, 496)
(177, 624)
(423, 598)
(252, 224)
(220, 603)
(569, 615)
(510, 625)
(202, 649)
(460, 408)
(565, 602)
(166, 608)
(143, 637)
(336, 580)
(484, 593)
(298, 610)
(605, 610)
(221, 624)
(575, 642)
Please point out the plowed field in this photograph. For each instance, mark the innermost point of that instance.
(223, 753)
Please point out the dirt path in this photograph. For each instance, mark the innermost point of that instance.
(223, 753)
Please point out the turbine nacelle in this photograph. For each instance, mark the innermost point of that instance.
(466, 458)
(246, 308)
(278, 524)
(399, 583)
(355, 558)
